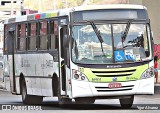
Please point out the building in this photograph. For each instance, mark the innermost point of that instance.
(10, 8)
(28, 11)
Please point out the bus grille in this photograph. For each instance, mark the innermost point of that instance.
(107, 89)
(116, 73)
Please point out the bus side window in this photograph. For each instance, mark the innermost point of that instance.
(43, 34)
(21, 36)
(53, 35)
(32, 36)
(18, 36)
(28, 34)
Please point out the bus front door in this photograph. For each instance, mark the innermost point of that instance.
(65, 76)
(10, 54)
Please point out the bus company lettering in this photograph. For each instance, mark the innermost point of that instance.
(24, 63)
(49, 63)
(96, 79)
(131, 78)
(114, 66)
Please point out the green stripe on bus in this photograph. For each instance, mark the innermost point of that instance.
(126, 76)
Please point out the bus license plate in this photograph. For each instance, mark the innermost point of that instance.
(114, 85)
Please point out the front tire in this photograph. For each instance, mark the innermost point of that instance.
(127, 102)
(63, 102)
(29, 99)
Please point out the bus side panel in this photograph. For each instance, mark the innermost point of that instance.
(28, 85)
(51, 66)
(35, 71)
(10, 61)
(8, 72)
(21, 65)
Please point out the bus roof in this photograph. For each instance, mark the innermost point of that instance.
(63, 12)
(109, 6)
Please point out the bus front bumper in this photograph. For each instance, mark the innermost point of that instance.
(91, 89)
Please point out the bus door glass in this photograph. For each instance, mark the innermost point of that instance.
(65, 65)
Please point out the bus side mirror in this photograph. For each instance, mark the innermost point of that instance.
(152, 34)
(74, 47)
(66, 50)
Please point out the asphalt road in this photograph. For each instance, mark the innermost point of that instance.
(144, 104)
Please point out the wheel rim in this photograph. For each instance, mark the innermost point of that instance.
(24, 91)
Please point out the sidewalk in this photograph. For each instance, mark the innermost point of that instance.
(158, 79)
(157, 86)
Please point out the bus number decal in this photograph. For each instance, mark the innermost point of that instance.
(96, 79)
(49, 63)
(25, 63)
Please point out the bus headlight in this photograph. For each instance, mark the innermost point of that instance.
(77, 75)
(148, 73)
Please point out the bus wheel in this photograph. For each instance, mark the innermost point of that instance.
(29, 99)
(127, 102)
(85, 100)
(25, 97)
(64, 102)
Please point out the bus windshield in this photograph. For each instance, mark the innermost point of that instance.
(117, 45)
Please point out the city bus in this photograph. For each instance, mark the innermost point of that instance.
(74, 54)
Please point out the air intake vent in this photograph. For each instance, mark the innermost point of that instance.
(119, 73)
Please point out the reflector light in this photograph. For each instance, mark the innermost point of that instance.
(76, 76)
(37, 16)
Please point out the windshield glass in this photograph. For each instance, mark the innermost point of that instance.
(87, 48)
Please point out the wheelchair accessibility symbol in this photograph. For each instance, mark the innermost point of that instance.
(119, 55)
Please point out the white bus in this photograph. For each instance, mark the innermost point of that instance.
(73, 54)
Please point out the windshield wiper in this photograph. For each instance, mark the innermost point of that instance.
(126, 29)
(98, 33)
